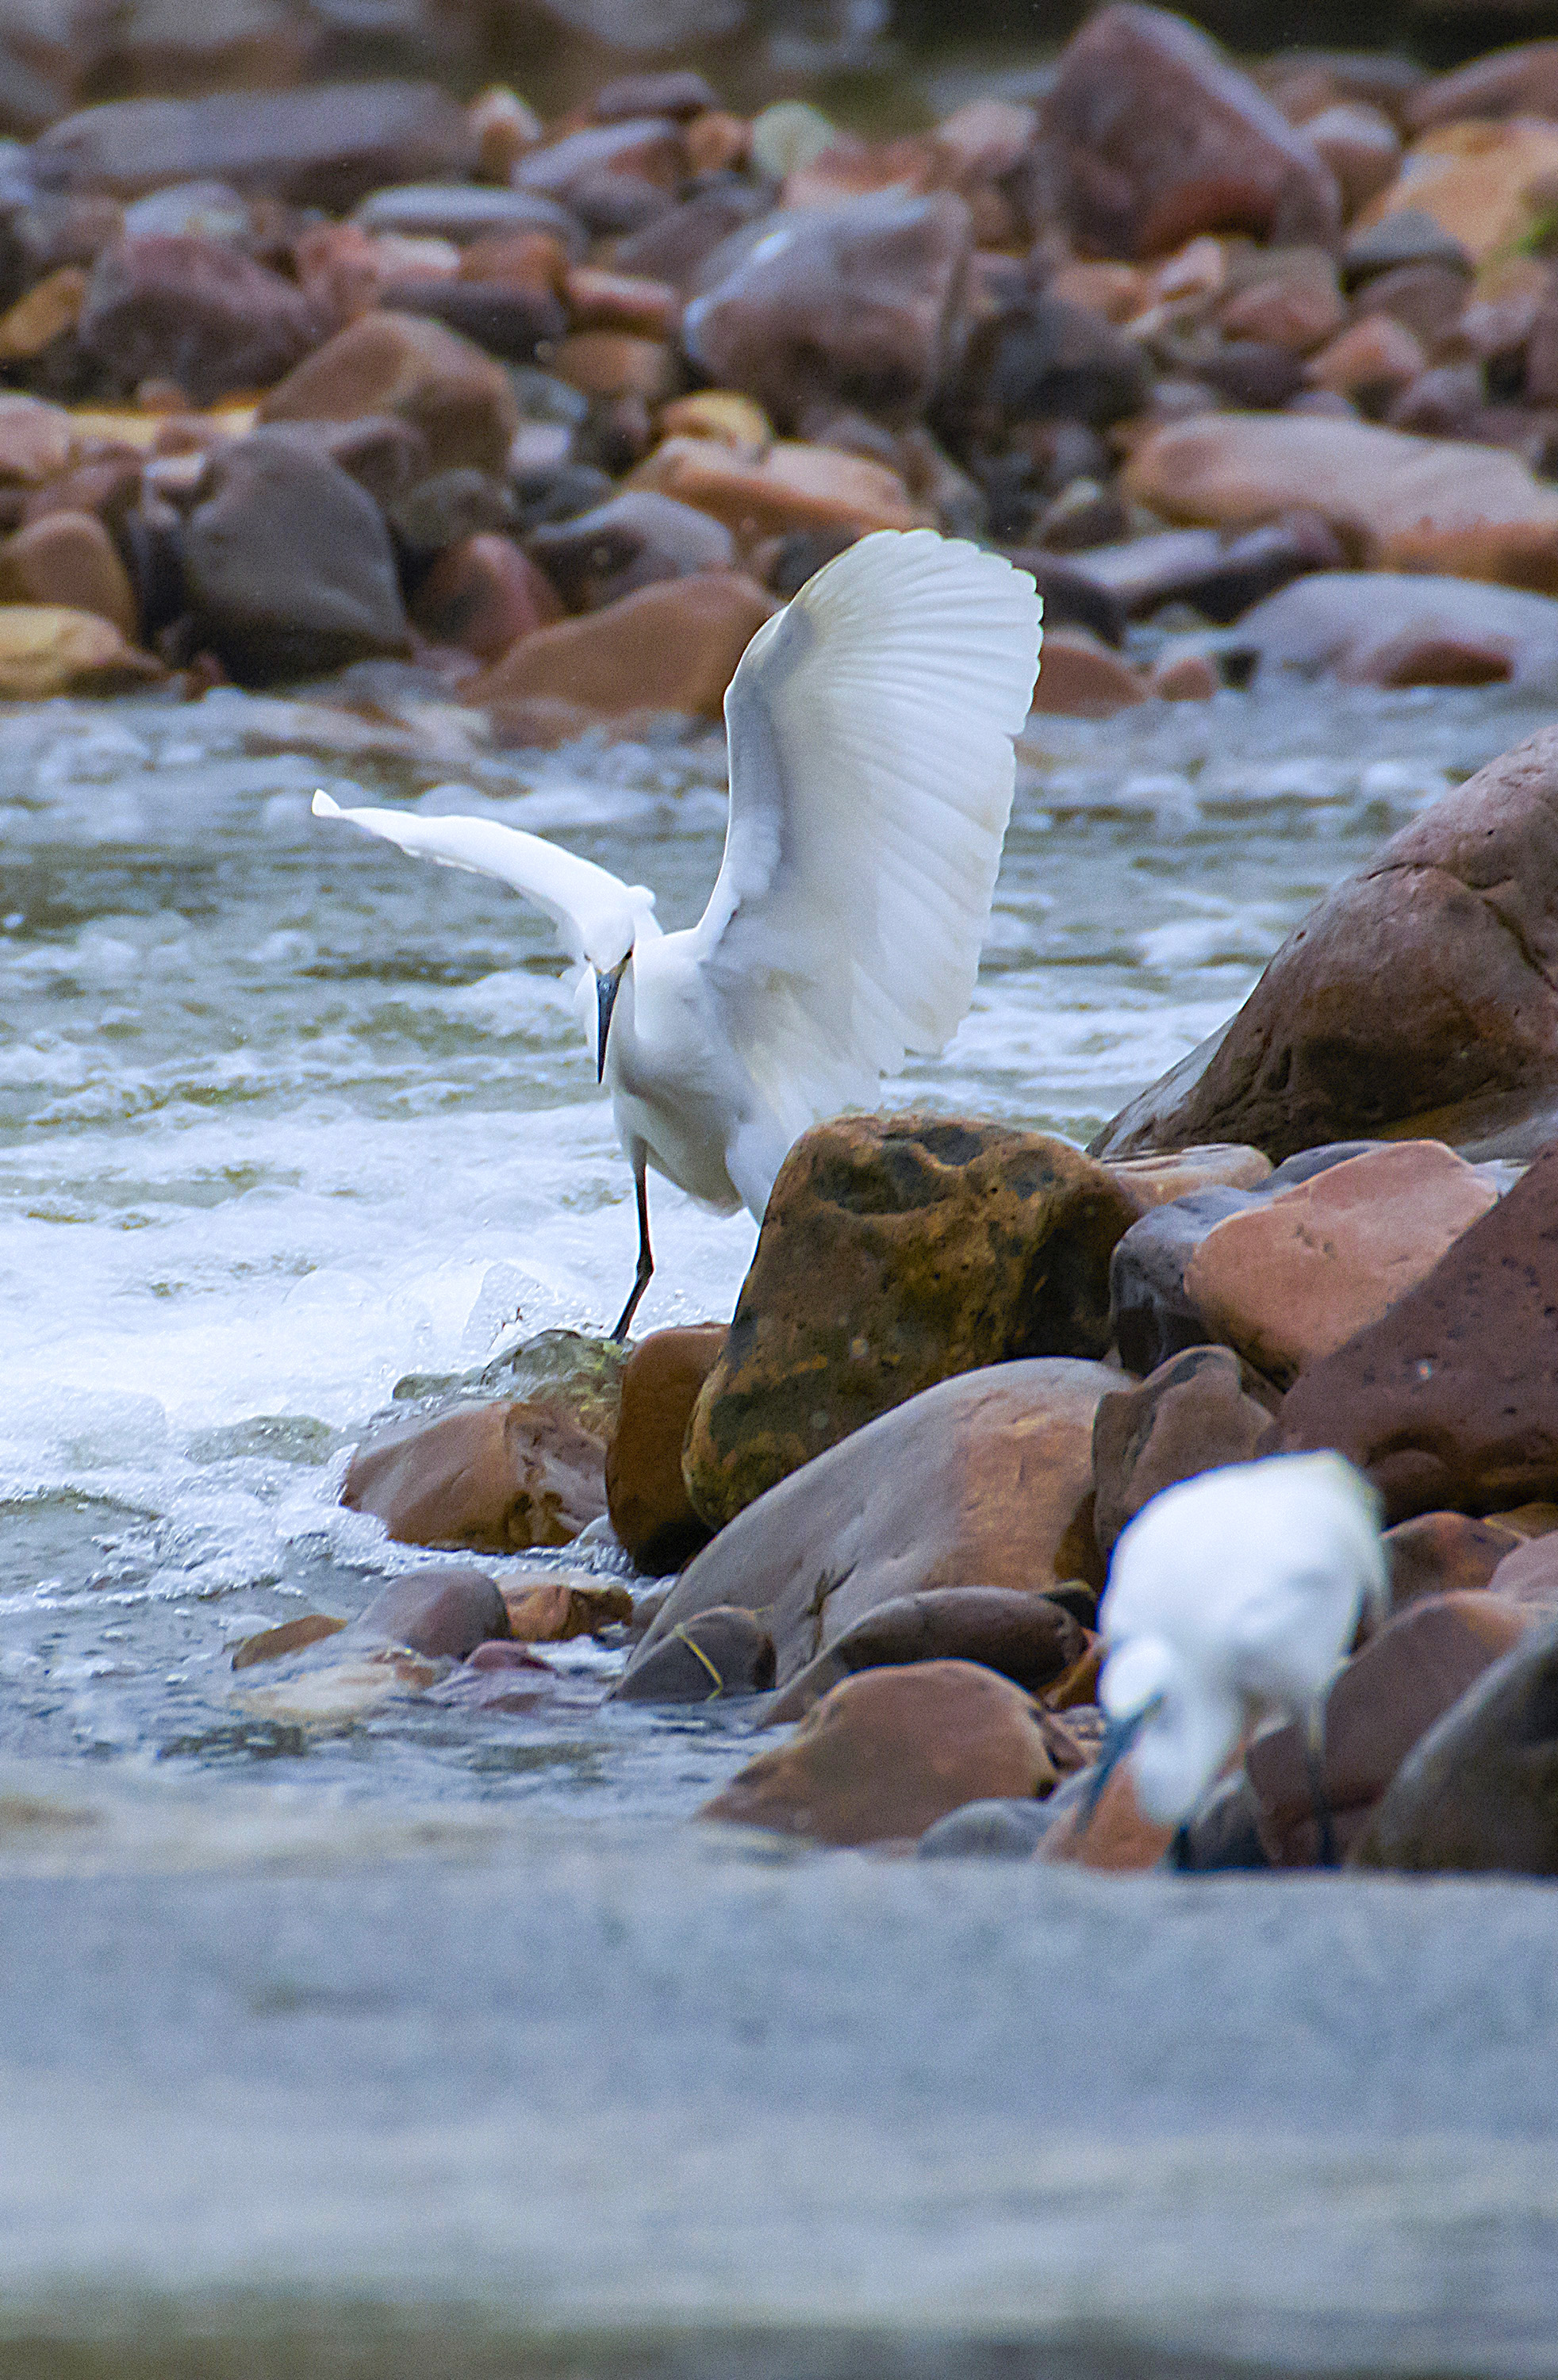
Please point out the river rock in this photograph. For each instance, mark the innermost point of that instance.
(484, 594)
(856, 305)
(45, 649)
(1371, 362)
(1221, 575)
(1527, 1576)
(795, 486)
(495, 1478)
(1152, 136)
(507, 319)
(1444, 1553)
(635, 540)
(1380, 628)
(1422, 990)
(1023, 1635)
(36, 440)
(444, 1612)
(646, 1495)
(288, 567)
(1044, 359)
(1362, 148)
(1149, 1181)
(985, 1480)
(885, 1754)
(1384, 1698)
(553, 1607)
(1082, 679)
(195, 312)
(1399, 503)
(465, 213)
(49, 311)
(403, 364)
(1481, 184)
(68, 558)
(1118, 1839)
(1451, 1400)
(671, 647)
(615, 178)
(719, 1653)
(896, 1251)
(326, 148)
(1201, 1409)
(678, 244)
(292, 1636)
(1478, 1792)
(1291, 1278)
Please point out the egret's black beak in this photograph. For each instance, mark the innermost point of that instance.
(607, 989)
(1118, 1738)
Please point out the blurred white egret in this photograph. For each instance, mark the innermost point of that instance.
(1234, 1593)
(869, 727)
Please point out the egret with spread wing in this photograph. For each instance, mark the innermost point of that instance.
(869, 726)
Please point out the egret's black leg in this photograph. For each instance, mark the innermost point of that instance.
(646, 1261)
(1180, 1854)
(1314, 1755)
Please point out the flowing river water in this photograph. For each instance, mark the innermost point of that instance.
(447, 2041)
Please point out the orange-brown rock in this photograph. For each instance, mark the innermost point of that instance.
(1119, 1838)
(1295, 310)
(885, 1754)
(484, 594)
(1444, 1553)
(982, 1481)
(1481, 182)
(795, 486)
(717, 143)
(404, 364)
(1371, 361)
(495, 1478)
(1187, 677)
(69, 559)
(1385, 1697)
(723, 414)
(272, 1644)
(532, 260)
(1291, 1278)
(1420, 997)
(554, 1609)
(1199, 1410)
(897, 1252)
(50, 308)
(646, 1493)
(671, 647)
(1478, 1792)
(615, 363)
(45, 649)
(1080, 679)
(1451, 1400)
(598, 300)
(1401, 502)
(1149, 1181)
(1118, 292)
(35, 440)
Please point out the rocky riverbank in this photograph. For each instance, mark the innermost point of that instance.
(548, 415)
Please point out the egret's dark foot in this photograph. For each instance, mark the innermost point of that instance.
(1314, 1754)
(646, 1265)
(1180, 1854)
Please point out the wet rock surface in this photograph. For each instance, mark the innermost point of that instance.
(895, 1252)
(498, 1478)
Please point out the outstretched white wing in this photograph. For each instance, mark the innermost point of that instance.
(585, 901)
(871, 728)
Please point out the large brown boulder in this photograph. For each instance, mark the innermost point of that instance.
(896, 1252)
(671, 647)
(885, 1754)
(1383, 1699)
(852, 304)
(645, 1492)
(1420, 996)
(983, 1481)
(1153, 136)
(1451, 1400)
(1480, 1791)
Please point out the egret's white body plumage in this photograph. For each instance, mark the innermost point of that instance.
(1236, 1592)
(869, 727)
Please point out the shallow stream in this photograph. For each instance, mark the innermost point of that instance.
(285, 1117)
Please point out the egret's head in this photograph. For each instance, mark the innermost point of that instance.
(608, 950)
(1177, 1728)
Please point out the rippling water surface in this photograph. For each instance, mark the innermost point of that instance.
(285, 1116)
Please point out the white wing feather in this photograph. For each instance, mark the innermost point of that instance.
(584, 900)
(871, 728)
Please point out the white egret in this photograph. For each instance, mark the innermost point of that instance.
(1234, 1593)
(869, 726)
